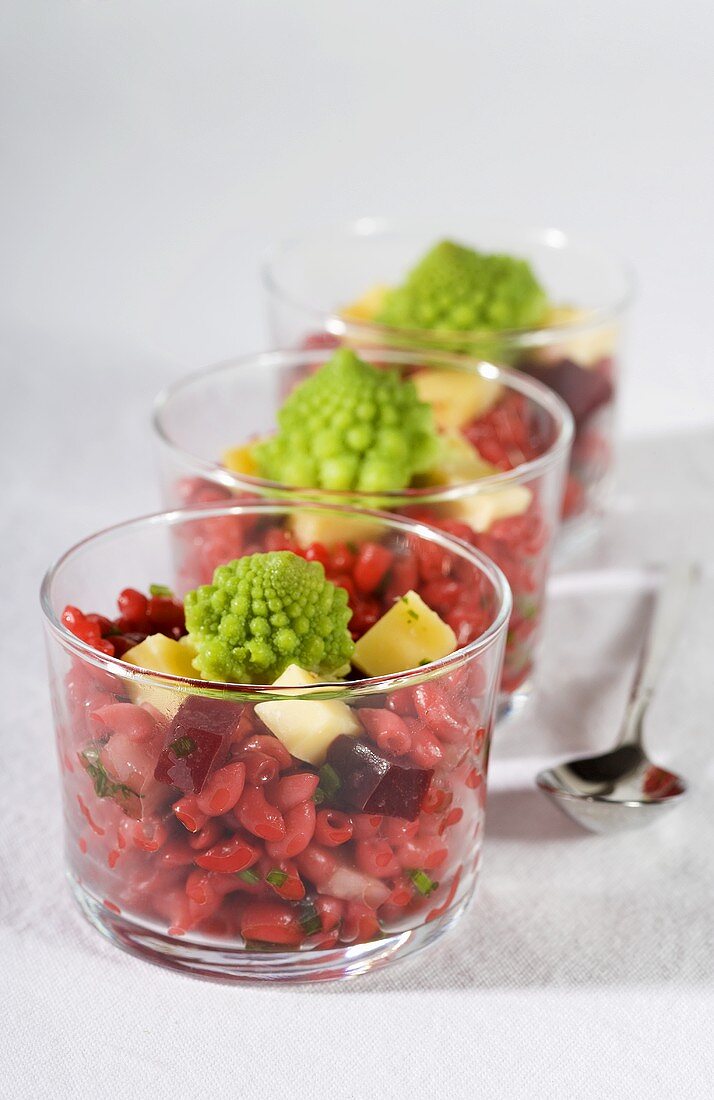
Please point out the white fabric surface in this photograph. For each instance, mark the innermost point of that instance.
(585, 966)
(152, 150)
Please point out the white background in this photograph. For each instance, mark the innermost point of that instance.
(151, 150)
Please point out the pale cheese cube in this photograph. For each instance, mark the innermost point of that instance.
(410, 634)
(307, 727)
(157, 653)
(368, 305)
(329, 528)
(481, 510)
(586, 348)
(456, 397)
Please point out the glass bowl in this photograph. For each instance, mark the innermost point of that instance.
(251, 863)
(311, 282)
(511, 516)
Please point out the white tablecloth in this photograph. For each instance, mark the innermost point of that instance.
(585, 965)
(151, 150)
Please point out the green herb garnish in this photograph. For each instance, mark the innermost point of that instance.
(276, 877)
(183, 746)
(329, 784)
(104, 786)
(423, 883)
(161, 590)
(309, 918)
(248, 876)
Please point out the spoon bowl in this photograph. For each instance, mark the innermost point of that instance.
(623, 789)
(612, 792)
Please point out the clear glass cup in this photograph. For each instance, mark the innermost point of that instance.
(248, 868)
(310, 282)
(204, 415)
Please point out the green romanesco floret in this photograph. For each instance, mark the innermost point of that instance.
(456, 289)
(264, 612)
(350, 426)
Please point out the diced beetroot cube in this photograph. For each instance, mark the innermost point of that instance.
(376, 783)
(197, 742)
(584, 390)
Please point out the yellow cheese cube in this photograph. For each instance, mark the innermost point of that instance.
(456, 397)
(586, 348)
(459, 462)
(481, 510)
(330, 528)
(367, 306)
(157, 653)
(307, 727)
(239, 460)
(161, 654)
(410, 634)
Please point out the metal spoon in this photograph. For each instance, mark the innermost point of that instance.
(623, 789)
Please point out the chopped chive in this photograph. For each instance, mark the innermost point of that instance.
(423, 883)
(329, 784)
(309, 918)
(412, 614)
(160, 590)
(248, 876)
(104, 785)
(424, 661)
(183, 746)
(276, 877)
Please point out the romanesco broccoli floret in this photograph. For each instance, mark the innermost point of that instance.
(456, 289)
(350, 426)
(264, 612)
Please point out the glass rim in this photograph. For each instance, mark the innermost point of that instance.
(531, 388)
(335, 689)
(329, 320)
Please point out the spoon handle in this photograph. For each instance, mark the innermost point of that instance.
(667, 617)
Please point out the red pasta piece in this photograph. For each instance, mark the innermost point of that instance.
(221, 792)
(258, 816)
(376, 857)
(271, 922)
(293, 789)
(127, 718)
(333, 828)
(299, 828)
(228, 856)
(387, 729)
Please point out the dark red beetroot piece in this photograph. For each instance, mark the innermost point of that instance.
(375, 783)
(197, 742)
(583, 390)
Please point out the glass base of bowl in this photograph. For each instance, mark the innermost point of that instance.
(512, 703)
(210, 960)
